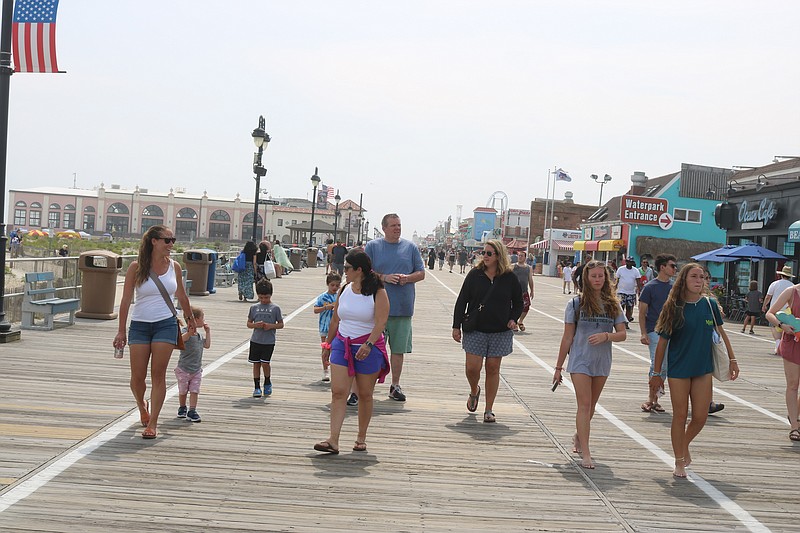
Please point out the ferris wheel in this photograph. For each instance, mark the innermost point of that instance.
(498, 196)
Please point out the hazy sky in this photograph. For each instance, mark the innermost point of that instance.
(419, 105)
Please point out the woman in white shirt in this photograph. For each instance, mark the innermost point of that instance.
(154, 328)
(355, 347)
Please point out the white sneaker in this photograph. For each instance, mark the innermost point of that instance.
(326, 376)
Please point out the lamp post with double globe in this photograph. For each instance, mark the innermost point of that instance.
(602, 181)
(261, 139)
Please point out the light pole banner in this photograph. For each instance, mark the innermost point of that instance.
(33, 36)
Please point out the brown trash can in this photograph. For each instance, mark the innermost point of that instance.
(311, 257)
(197, 266)
(296, 258)
(99, 273)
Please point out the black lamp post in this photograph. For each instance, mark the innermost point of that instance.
(261, 139)
(602, 181)
(336, 217)
(349, 216)
(6, 70)
(315, 182)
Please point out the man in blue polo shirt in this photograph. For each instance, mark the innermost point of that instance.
(399, 264)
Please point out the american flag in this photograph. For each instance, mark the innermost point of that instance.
(34, 36)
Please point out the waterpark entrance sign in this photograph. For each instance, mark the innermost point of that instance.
(642, 209)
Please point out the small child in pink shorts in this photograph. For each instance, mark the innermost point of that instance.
(190, 365)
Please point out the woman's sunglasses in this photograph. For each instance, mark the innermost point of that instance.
(168, 240)
(488, 253)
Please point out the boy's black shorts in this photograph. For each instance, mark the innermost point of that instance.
(260, 353)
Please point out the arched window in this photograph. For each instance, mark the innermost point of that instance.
(36, 205)
(221, 215)
(20, 213)
(118, 209)
(69, 207)
(88, 209)
(187, 212)
(152, 211)
(248, 219)
(54, 216)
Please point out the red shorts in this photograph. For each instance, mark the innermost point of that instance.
(526, 302)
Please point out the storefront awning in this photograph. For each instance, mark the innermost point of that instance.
(588, 246)
(557, 245)
(579, 245)
(611, 245)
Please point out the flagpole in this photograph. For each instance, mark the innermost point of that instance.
(6, 70)
(546, 203)
(553, 205)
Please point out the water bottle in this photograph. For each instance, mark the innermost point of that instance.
(119, 352)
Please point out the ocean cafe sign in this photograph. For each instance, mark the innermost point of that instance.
(642, 209)
(759, 215)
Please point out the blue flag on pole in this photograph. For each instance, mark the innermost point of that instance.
(562, 176)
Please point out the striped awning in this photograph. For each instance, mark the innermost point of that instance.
(557, 244)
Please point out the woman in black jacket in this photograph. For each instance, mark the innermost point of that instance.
(487, 309)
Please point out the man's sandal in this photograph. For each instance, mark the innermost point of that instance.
(488, 417)
(794, 435)
(360, 446)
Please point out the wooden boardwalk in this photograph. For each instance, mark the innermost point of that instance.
(71, 456)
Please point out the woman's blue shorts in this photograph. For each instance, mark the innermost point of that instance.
(149, 332)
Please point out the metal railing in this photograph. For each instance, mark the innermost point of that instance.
(68, 278)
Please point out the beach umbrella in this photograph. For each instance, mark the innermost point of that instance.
(68, 234)
(36, 233)
(713, 255)
(84, 235)
(750, 251)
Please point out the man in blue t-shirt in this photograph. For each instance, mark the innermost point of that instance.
(399, 265)
(652, 298)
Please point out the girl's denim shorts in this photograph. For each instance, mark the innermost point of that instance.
(149, 332)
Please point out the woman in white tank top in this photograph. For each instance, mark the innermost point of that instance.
(154, 330)
(355, 347)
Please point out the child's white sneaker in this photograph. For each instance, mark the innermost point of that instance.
(326, 376)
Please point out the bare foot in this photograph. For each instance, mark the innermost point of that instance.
(576, 444)
(587, 462)
(688, 460)
(680, 467)
(144, 414)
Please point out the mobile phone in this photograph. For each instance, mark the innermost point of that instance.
(555, 385)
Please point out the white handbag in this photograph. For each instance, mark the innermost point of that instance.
(269, 269)
(719, 352)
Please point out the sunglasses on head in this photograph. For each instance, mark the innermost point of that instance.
(168, 240)
(488, 252)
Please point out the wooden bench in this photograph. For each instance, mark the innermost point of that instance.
(40, 298)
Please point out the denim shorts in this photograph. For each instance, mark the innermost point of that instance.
(149, 332)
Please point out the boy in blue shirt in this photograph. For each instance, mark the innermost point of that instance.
(264, 318)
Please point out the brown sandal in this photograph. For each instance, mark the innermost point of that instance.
(360, 446)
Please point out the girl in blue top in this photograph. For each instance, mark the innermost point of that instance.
(686, 324)
(324, 306)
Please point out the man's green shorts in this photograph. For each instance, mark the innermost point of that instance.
(398, 333)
